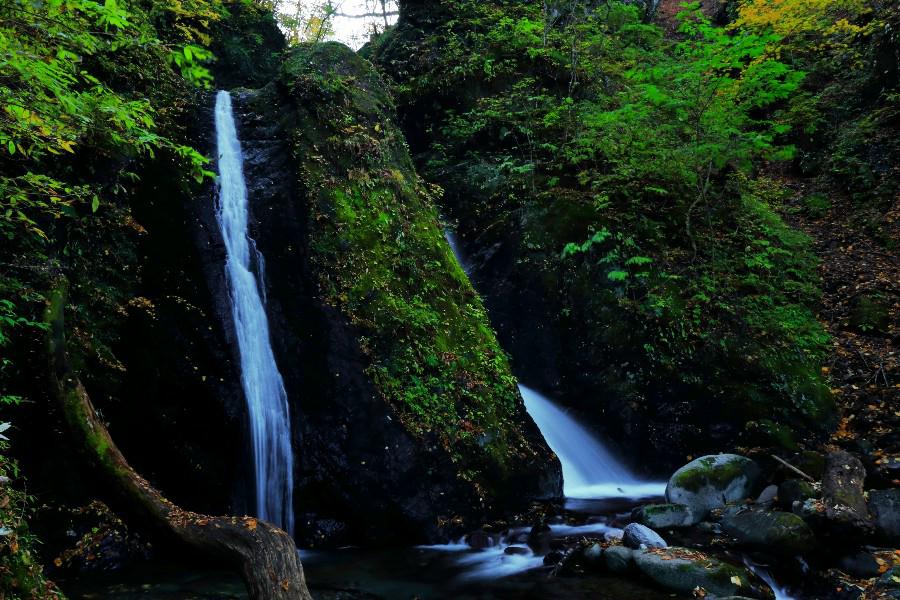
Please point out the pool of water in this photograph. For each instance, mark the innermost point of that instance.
(435, 572)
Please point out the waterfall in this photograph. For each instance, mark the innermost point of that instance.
(262, 383)
(589, 470)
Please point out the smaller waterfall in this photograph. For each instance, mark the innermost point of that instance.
(589, 470)
(263, 386)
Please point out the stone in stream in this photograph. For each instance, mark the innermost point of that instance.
(843, 494)
(682, 571)
(885, 507)
(664, 516)
(479, 540)
(768, 496)
(774, 532)
(517, 551)
(795, 490)
(860, 564)
(539, 538)
(618, 559)
(637, 535)
(712, 482)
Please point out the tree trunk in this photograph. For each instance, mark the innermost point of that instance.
(265, 555)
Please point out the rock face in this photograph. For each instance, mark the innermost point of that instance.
(773, 532)
(664, 516)
(885, 507)
(682, 570)
(401, 399)
(713, 481)
(637, 535)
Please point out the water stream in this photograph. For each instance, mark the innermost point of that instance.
(260, 378)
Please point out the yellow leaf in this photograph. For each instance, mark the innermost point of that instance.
(736, 580)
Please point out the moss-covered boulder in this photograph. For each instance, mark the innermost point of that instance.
(682, 570)
(403, 400)
(664, 516)
(773, 532)
(713, 481)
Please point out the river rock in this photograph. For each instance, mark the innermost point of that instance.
(517, 551)
(637, 535)
(768, 496)
(770, 531)
(664, 516)
(713, 481)
(860, 564)
(885, 507)
(618, 559)
(479, 540)
(539, 538)
(795, 490)
(843, 493)
(682, 571)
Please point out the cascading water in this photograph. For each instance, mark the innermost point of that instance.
(589, 470)
(263, 386)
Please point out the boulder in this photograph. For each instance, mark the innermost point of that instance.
(712, 482)
(664, 516)
(860, 564)
(479, 540)
(795, 490)
(539, 538)
(637, 535)
(618, 559)
(768, 496)
(682, 571)
(843, 494)
(773, 532)
(885, 507)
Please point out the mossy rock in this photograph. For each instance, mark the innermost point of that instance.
(664, 516)
(379, 258)
(682, 571)
(774, 532)
(712, 481)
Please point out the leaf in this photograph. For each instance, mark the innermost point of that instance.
(617, 275)
(736, 580)
(11, 147)
(95, 203)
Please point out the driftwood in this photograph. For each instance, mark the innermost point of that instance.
(265, 555)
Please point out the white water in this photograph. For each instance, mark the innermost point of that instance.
(589, 470)
(263, 386)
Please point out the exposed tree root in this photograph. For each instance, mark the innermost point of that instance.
(265, 555)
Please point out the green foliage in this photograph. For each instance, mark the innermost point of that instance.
(626, 160)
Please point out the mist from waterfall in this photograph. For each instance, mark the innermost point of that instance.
(589, 470)
(260, 378)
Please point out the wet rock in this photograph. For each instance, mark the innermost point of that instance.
(713, 481)
(843, 493)
(885, 507)
(553, 558)
(539, 538)
(795, 490)
(860, 564)
(682, 571)
(517, 551)
(768, 495)
(479, 540)
(637, 535)
(664, 516)
(889, 584)
(771, 531)
(618, 559)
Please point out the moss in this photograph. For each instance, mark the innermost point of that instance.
(710, 470)
(381, 258)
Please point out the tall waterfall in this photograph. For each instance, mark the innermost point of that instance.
(263, 386)
(589, 470)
